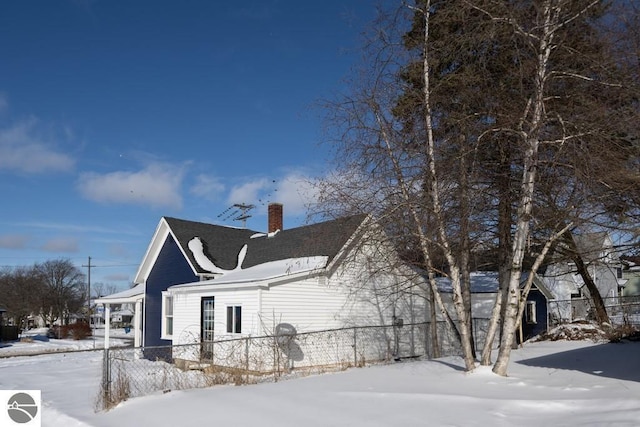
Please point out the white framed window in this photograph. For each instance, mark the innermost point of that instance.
(234, 319)
(531, 312)
(167, 316)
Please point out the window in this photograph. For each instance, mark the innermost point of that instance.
(531, 312)
(167, 316)
(619, 272)
(234, 319)
(207, 326)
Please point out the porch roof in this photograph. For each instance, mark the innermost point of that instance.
(130, 295)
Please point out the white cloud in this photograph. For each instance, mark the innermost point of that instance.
(61, 244)
(296, 192)
(157, 185)
(23, 150)
(121, 277)
(207, 187)
(249, 192)
(75, 228)
(13, 241)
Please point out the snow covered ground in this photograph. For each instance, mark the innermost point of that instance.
(560, 383)
(35, 341)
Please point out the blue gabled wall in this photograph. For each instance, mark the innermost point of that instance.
(530, 330)
(171, 268)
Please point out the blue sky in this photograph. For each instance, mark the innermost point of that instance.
(116, 113)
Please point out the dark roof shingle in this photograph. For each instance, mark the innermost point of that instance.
(223, 244)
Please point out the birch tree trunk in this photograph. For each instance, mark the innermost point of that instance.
(464, 318)
(527, 186)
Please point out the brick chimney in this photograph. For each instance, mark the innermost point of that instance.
(275, 217)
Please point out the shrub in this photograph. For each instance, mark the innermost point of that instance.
(77, 331)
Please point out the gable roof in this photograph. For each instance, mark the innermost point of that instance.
(321, 239)
(222, 245)
(593, 246)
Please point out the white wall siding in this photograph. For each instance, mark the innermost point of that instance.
(187, 316)
(308, 305)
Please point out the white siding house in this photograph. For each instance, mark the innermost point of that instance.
(308, 294)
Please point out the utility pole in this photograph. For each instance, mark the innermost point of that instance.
(89, 300)
(88, 290)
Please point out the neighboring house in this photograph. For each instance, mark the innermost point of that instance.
(484, 288)
(605, 268)
(603, 262)
(631, 273)
(123, 316)
(201, 282)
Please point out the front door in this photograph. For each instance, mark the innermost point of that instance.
(207, 323)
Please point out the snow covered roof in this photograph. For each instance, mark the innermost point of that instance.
(213, 248)
(268, 271)
(125, 312)
(129, 295)
(481, 282)
(487, 282)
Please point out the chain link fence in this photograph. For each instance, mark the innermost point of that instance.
(130, 372)
(622, 311)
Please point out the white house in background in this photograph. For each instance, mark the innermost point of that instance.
(198, 282)
(605, 268)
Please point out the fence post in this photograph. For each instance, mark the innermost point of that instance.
(106, 379)
(246, 356)
(355, 346)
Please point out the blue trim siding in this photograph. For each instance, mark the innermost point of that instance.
(530, 330)
(171, 268)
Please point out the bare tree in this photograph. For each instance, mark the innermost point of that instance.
(484, 124)
(20, 290)
(101, 289)
(64, 290)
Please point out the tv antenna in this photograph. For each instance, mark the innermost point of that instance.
(237, 212)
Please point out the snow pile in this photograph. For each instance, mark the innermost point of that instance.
(197, 249)
(577, 331)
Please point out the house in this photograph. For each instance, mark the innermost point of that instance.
(122, 317)
(484, 288)
(198, 282)
(603, 265)
(631, 274)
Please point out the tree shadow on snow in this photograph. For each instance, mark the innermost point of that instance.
(612, 360)
(451, 365)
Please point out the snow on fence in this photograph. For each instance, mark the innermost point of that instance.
(130, 372)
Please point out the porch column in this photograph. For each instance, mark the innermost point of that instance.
(137, 324)
(107, 324)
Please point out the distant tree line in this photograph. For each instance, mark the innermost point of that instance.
(53, 290)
